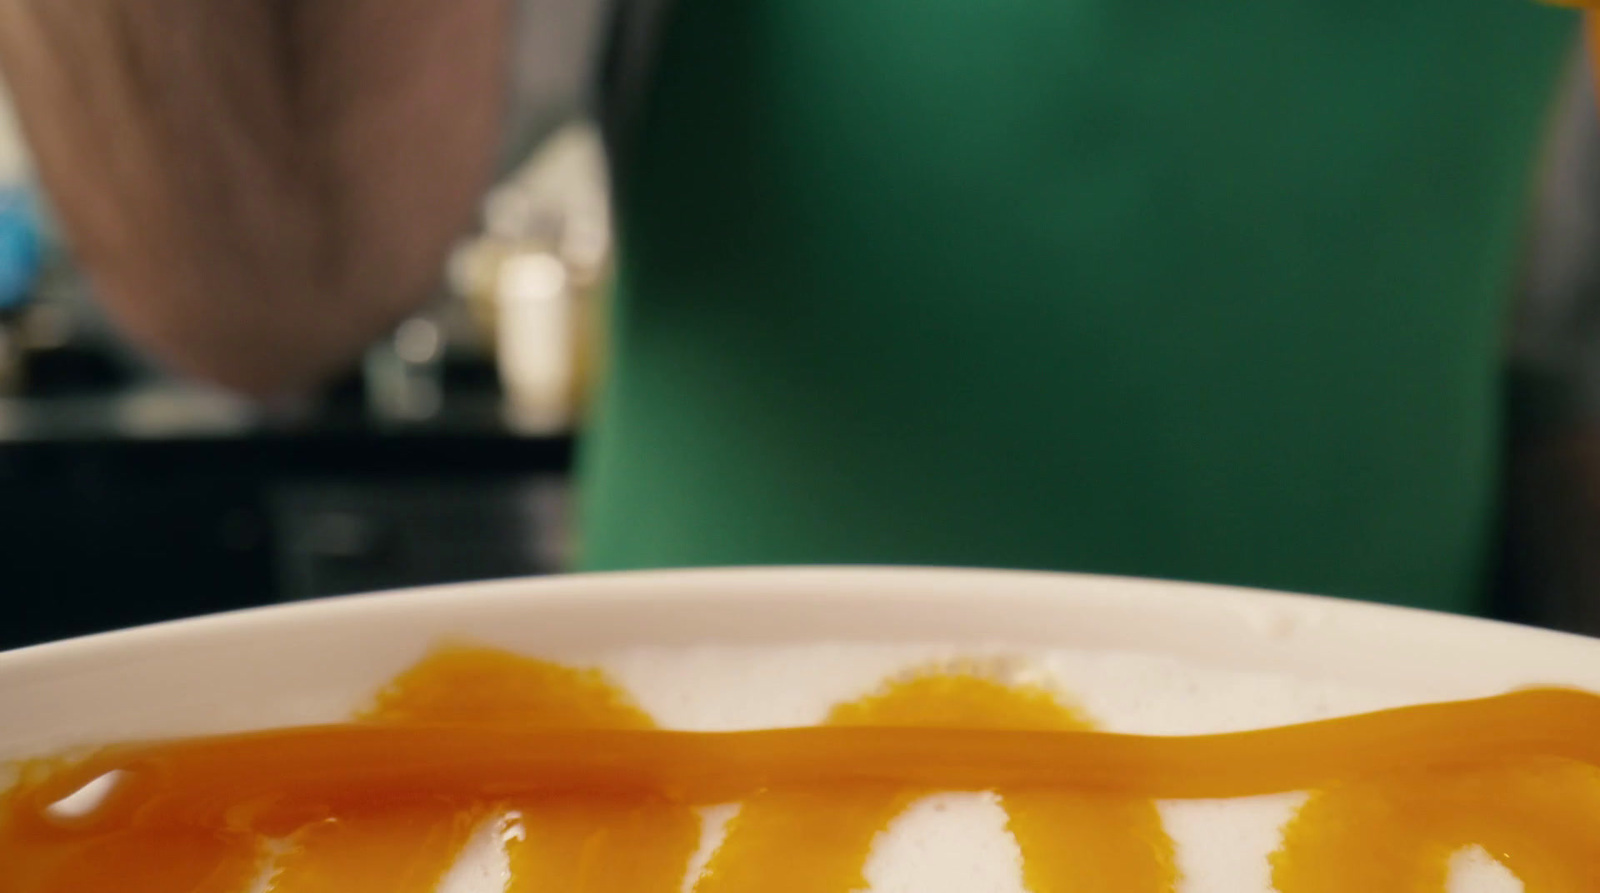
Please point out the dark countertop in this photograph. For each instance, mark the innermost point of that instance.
(166, 502)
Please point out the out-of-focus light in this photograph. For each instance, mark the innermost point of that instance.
(418, 341)
(534, 336)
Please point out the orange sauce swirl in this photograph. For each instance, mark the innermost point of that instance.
(1069, 840)
(606, 802)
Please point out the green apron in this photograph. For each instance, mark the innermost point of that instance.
(1207, 291)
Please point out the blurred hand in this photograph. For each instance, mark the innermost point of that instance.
(259, 187)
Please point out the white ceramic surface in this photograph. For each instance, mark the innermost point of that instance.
(312, 661)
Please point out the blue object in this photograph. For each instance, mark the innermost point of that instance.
(21, 248)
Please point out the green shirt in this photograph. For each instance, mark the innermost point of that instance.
(1208, 291)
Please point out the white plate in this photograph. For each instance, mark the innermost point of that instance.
(313, 661)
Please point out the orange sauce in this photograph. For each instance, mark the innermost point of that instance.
(408, 849)
(602, 801)
(1069, 840)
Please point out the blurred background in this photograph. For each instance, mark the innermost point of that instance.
(127, 496)
(130, 496)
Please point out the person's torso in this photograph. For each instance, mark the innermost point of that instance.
(1136, 286)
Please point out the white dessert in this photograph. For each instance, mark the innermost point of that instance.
(957, 842)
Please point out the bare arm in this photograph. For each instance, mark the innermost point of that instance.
(259, 187)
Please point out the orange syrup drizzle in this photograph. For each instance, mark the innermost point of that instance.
(608, 803)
